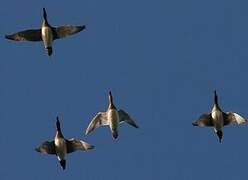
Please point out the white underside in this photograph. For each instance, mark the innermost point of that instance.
(113, 119)
(47, 36)
(218, 121)
(60, 147)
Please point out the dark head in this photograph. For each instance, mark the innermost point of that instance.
(63, 164)
(44, 14)
(215, 98)
(110, 94)
(111, 104)
(49, 50)
(58, 124)
(219, 134)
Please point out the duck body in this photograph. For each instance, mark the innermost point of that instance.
(47, 37)
(46, 33)
(112, 118)
(218, 119)
(61, 146)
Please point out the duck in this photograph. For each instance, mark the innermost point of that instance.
(112, 117)
(218, 119)
(61, 146)
(46, 33)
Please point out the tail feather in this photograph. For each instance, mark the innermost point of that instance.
(49, 50)
(220, 135)
(63, 164)
(115, 134)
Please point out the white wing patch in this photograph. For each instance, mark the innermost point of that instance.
(99, 120)
(235, 118)
(124, 117)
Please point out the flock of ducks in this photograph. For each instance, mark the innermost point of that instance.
(61, 146)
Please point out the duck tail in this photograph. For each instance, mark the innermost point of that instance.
(63, 164)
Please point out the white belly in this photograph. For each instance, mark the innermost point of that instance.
(218, 120)
(113, 118)
(60, 147)
(47, 36)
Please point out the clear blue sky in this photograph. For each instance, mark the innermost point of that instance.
(161, 59)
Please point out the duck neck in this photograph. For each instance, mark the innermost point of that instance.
(111, 104)
(58, 133)
(216, 104)
(45, 22)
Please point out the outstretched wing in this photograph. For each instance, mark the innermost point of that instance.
(99, 120)
(27, 35)
(124, 117)
(75, 145)
(203, 120)
(47, 147)
(233, 118)
(62, 31)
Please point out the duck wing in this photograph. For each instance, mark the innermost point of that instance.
(48, 147)
(233, 118)
(203, 120)
(63, 31)
(100, 119)
(124, 117)
(76, 145)
(27, 35)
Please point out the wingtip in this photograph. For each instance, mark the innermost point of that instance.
(7, 37)
(136, 126)
(86, 132)
(80, 28)
(91, 147)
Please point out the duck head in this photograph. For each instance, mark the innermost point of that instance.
(45, 16)
(216, 103)
(58, 124)
(215, 97)
(111, 104)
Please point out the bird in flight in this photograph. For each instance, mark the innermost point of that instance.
(47, 33)
(218, 119)
(61, 146)
(112, 117)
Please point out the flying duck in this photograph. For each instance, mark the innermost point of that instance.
(218, 119)
(61, 146)
(47, 33)
(112, 117)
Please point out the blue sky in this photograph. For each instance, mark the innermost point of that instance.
(161, 59)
